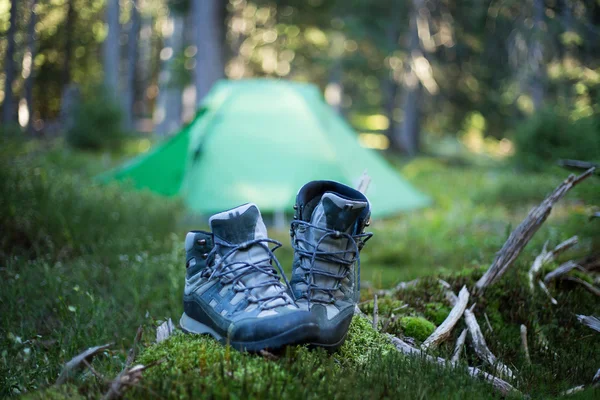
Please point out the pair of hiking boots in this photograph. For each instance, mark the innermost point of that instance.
(233, 290)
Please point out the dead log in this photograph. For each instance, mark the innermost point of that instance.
(562, 269)
(480, 346)
(460, 342)
(546, 257)
(524, 343)
(502, 386)
(78, 361)
(525, 231)
(443, 331)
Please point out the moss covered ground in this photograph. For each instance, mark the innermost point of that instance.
(83, 265)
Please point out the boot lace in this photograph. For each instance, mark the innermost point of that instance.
(232, 272)
(314, 254)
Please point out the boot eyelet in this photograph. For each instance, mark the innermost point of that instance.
(205, 256)
(201, 242)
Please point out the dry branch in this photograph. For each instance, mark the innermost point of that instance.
(450, 296)
(591, 288)
(502, 386)
(363, 184)
(480, 346)
(563, 269)
(127, 375)
(375, 313)
(545, 290)
(596, 379)
(590, 321)
(548, 256)
(164, 330)
(524, 343)
(460, 342)
(78, 360)
(443, 331)
(525, 231)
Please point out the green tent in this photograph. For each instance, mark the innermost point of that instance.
(259, 141)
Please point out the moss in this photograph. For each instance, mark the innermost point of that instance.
(67, 391)
(361, 337)
(436, 312)
(417, 327)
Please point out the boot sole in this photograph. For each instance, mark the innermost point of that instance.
(330, 347)
(298, 335)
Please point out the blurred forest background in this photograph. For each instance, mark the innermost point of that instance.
(493, 77)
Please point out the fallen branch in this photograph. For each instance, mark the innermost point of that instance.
(78, 360)
(480, 346)
(127, 375)
(546, 257)
(525, 231)
(590, 288)
(460, 342)
(443, 331)
(563, 269)
(590, 321)
(524, 343)
(502, 386)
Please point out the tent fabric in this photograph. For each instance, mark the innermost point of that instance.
(259, 141)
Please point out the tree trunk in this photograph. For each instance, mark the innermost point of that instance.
(169, 104)
(390, 84)
(69, 24)
(209, 57)
(410, 128)
(28, 65)
(9, 68)
(536, 55)
(146, 65)
(111, 49)
(132, 60)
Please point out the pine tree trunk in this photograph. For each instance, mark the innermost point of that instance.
(537, 55)
(169, 104)
(69, 24)
(29, 78)
(209, 57)
(132, 61)
(9, 68)
(390, 84)
(111, 49)
(410, 127)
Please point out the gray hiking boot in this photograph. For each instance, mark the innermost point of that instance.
(327, 236)
(233, 292)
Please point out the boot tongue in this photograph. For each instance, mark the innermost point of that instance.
(337, 213)
(239, 225)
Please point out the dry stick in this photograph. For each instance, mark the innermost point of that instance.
(487, 321)
(591, 288)
(115, 387)
(524, 232)
(589, 321)
(563, 269)
(450, 296)
(524, 343)
(164, 330)
(78, 360)
(502, 386)
(363, 185)
(460, 342)
(443, 331)
(548, 256)
(545, 290)
(375, 313)
(480, 347)
(596, 379)
(595, 383)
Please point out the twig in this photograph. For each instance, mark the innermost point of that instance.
(524, 343)
(93, 371)
(502, 386)
(480, 346)
(487, 321)
(563, 269)
(525, 231)
(460, 342)
(577, 164)
(572, 390)
(596, 379)
(548, 256)
(450, 296)
(591, 288)
(545, 290)
(363, 185)
(76, 361)
(443, 331)
(375, 313)
(116, 385)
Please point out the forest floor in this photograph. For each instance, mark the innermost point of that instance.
(84, 265)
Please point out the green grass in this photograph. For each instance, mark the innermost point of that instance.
(83, 265)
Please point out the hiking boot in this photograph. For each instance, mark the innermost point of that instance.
(233, 292)
(327, 236)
